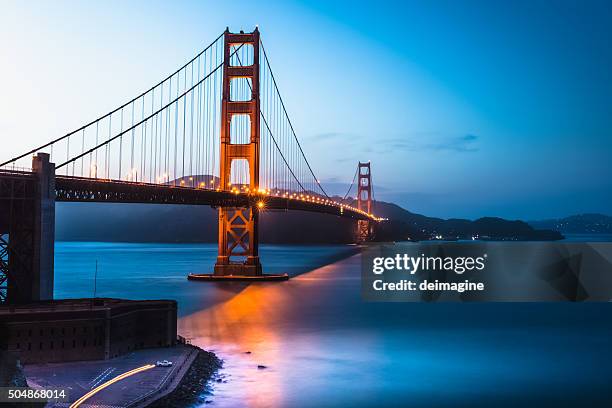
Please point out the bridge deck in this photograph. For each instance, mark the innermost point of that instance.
(76, 189)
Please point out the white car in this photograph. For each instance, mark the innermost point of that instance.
(164, 363)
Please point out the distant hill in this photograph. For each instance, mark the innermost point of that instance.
(578, 224)
(181, 223)
(405, 224)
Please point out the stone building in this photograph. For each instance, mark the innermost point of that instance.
(85, 329)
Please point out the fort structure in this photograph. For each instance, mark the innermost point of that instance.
(85, 329)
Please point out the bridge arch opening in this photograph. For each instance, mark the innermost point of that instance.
(241, 89)
(242, 55)
(240, 176)
(240, 129)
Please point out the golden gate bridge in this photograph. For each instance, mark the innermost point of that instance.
(215, 132)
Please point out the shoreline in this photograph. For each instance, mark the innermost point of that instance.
(194, 385)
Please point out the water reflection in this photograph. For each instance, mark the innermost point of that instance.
(258, 327)
(242, 330)
(323, 346)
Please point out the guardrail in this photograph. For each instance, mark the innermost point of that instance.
(16, 169)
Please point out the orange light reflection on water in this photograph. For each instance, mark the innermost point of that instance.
(239, 325)
(261, 319)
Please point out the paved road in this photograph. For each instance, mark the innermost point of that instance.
(81, 377)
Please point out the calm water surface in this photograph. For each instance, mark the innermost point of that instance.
(322, 346)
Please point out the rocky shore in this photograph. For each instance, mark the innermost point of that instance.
(193, 385)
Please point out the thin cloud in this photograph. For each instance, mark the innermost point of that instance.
(461, 144)
(412, 142)
(333, 136)
(345, 159)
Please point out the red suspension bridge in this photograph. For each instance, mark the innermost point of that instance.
(215, 132)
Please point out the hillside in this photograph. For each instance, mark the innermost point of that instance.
(578, 224)
(405, 224)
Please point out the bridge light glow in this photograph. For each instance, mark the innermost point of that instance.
(260, 204)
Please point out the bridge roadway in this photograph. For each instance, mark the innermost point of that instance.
(78, 189)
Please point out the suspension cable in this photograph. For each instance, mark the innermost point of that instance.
(272, 135)
(352, 183)
(59, 139)
(151, 115)
(289, 120)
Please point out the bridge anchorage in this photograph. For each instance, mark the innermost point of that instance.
(215, 132)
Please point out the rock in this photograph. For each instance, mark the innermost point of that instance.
(193, 385)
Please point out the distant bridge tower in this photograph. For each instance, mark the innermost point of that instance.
(364, 201)
(238, 226)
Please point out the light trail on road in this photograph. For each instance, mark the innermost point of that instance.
(110, 382)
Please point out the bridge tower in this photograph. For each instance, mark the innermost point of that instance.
(364, 201)
(238, 226)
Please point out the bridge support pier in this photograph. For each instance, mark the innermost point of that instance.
(238, 229)
(27, 233)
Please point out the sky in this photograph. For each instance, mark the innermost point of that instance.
(465, 109)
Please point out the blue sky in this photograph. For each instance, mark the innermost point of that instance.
(465, 109)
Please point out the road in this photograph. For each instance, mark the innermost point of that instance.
(81, 377)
